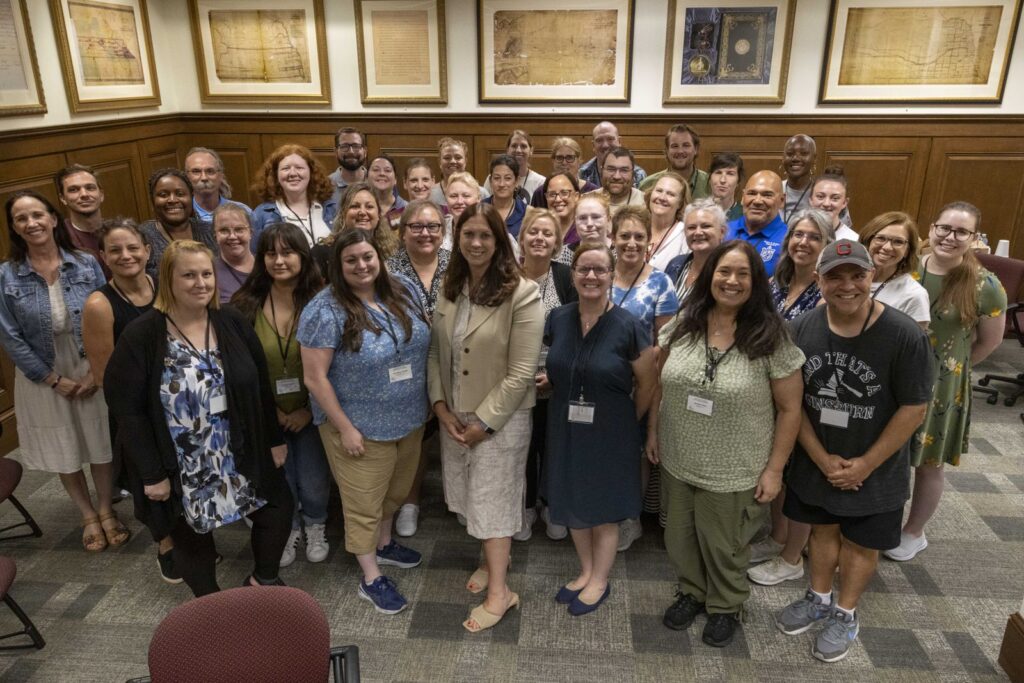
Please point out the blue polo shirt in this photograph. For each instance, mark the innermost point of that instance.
(767, 241)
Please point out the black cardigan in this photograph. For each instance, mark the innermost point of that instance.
(562, 276)
(132, 389)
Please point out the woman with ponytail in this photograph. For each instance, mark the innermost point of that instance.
(968, 314)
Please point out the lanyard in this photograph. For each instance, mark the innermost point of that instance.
(302, 224)
(277, 335)
(631, 286)
(924, 279)
(204, 355)
(712, 359)
(863, 327)
(390, 327)
(796, 206)
(581, 367)
(878, 291)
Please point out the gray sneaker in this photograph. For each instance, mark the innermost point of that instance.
(834, 641)
(801, 615)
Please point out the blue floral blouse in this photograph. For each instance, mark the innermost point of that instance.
(649, 299)
(807, 300)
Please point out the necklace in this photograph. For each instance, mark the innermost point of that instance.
(716, 330)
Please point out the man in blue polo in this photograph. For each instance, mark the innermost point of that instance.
(760, 223)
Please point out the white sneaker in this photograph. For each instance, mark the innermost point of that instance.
(629, 531)
(776, 570)
(556, 532)
(908, 548)
(408, 520)
(288, 556)
(765, 549)
(526, 531)
(317, 546)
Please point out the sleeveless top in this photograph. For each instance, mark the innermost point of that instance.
(124, 311)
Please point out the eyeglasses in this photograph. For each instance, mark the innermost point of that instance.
(896, 242)
(350, 146)
(232, 231)
(420, 228)
(599, 271)
(564, 158)
(959, 234)
(800, 236)
(613, 171)
(561, 194)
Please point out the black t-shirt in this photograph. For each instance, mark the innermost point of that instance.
(869, 377)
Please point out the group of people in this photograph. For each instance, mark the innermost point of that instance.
(587, 346)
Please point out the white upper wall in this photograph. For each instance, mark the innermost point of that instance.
(179, 88)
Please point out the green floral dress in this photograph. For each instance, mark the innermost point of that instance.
(943, 436)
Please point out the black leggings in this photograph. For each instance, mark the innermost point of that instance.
(195, 555)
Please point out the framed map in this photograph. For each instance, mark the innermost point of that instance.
(260, 51)
(569, 51)
(106, 54)
(926, 51)
(21, 91)
(401, 51)
(726, 51)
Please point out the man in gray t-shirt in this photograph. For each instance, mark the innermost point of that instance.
(867, 383)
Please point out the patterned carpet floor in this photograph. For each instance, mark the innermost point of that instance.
(939, 617)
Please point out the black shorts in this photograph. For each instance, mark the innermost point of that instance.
(880, 531)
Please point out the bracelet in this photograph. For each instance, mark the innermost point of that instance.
(56, 382)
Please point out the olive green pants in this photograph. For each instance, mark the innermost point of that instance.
(708, 536)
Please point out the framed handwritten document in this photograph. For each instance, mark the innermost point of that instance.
(924, 51)
(260, 51)
(728, 51)
(401, 51)
(106, 54)
(538, 51)
(21, 91)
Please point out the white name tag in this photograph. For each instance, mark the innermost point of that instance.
(218, 403)
(400, 373)
(697, 404)
(581, 413)
(288, 385)
(834, 418)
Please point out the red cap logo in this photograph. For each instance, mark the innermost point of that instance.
(844, 249)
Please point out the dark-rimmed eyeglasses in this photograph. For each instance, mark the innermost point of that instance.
(420, 228)
(959, 234)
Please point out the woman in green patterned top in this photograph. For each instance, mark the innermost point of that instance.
(968, 311)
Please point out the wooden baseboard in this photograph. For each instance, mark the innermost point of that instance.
(1011, 653)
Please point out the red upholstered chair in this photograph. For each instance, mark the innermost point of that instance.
(250, 634)
(1010, 272)
(10, 475)
(7, 572)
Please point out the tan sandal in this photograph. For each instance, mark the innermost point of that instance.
(479, 579)
(480, 619)
(116, 535)
(93, 543)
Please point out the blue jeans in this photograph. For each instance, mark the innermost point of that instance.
(309, 476)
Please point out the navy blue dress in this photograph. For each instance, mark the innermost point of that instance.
(592, 471)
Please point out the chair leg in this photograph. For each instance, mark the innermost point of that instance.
(29, 522)
(345, 663)
(30, 629)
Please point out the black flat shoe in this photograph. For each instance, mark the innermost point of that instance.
(275, 582)
(683, 611)
(720, 629)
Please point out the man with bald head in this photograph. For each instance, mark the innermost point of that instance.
(606, 138)
(761, 224)
(798, 163)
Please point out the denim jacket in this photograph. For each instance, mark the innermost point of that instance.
(267, 213)
(26, 327)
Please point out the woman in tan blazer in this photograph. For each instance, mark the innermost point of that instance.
(484, 348)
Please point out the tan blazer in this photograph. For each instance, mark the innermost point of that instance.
(499, 361)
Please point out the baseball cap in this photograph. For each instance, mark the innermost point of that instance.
(844, 251)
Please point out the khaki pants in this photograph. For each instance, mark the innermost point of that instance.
(708, 536)
(372, 485)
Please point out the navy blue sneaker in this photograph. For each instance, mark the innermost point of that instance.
(384, 595)
(398, 556)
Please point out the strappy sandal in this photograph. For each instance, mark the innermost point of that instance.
(484, 619)
(93, 543)
(116, 535)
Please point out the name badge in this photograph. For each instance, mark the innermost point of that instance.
(288, 385)
(697, 404)
(834, 418)
(581, 412)
(400, 373)
(218, 403)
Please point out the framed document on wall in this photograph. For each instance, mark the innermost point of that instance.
(21, 91)
(260, 51)
(926, 51)
(537, 51)
(401, 51)
(728, 51)
(106, 54)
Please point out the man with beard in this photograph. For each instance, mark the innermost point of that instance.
(617, 180)
(350, 148)
(682, 145)
(79, 189)
(211, 189)
(760, 223)
(606, 138)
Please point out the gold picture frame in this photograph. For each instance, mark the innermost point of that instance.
(290, 65)
(27, 97)
(728, 51)
(106, 54)
(521, 46)
(388, 34)
(928, 52)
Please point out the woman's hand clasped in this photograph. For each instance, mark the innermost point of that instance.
(158, 492)
(352, 442)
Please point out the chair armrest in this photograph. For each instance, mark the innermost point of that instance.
(345, 663)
